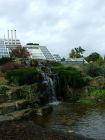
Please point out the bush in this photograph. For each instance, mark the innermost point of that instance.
(23, 76)
(94, 70)
(10, 66)
(30, 94)
(99, 94)
(3, 89)
(34, 62)
(71, 76)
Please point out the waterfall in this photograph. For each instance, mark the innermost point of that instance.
(52, 94)
(51, 86)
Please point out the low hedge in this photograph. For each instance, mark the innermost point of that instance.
(71, 76)
(23, 76)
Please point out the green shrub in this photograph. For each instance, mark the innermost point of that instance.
(34, 62)
(71, 76)
(30, 94)
(94, 70)
(23, 76)
(3, 89)
(98, 94)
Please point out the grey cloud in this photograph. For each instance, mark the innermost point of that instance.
(59, 24)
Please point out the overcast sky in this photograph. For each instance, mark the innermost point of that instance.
(59, 24)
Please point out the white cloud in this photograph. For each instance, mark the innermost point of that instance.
(59, 24)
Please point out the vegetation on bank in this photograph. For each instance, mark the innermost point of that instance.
(95, 96)
(18, 70)
(23, 76)
(71, 76)
(72, 81)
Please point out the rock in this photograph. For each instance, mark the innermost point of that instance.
(17, 115)
(9, 107)
(15, 94)
(44, 110)
(22, 104)
(20, 114)
(3, 98)
(98, 82)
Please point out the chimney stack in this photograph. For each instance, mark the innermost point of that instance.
(15, 37)
(11, 36)
(8, 37)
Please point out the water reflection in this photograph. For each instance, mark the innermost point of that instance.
(83, 119)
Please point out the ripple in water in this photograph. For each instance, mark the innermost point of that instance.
(86, 120)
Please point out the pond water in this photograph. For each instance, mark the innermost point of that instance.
(83, 119)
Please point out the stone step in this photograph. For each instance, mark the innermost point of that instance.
(24, 113)
(15, 94)
(13, 106)
(3, 98)
(16, 115)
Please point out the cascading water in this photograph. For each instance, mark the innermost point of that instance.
(52, 97)
(51, 85)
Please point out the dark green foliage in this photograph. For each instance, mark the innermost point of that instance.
(4, 60)
(31, 94)
(34, 62)
(52, 64)
(93, 57)
(71, 76)
(63, 59)
(23, 76)
(76, 52)
(71, 80)
(95, 96)
(103, 69)
(3, 89)
(94, 70)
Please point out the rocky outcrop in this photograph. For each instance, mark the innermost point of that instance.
(13, 104)
(44, 110)
(98, 82)
(20, 102)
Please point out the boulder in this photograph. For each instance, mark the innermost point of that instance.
(98, 82)
(44, 110)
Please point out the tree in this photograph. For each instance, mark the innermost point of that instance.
(76, 52)
(19, 52)
(63, 59)
(93, 57)
(73, 54)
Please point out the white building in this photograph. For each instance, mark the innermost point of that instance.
(12, 41)
(39, 52)
(57, 57)
(36, 51)
(4, 51)
(6, 44)
(76, 61)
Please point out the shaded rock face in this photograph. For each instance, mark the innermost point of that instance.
(13, 104)
(44, 110)
(98, 82)
(3, 98)
(3, 95)
(21, 102)
(70, 94)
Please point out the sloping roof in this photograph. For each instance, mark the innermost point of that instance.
(76, 60)
(57, 57)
